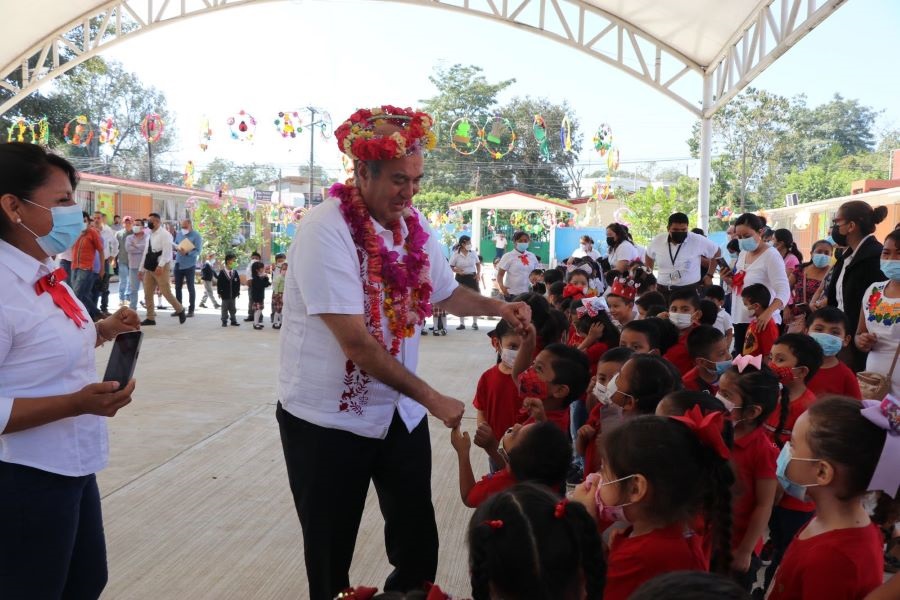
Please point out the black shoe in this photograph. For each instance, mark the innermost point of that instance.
(235, 324)
(190, 313)
(248, 319)
(202, 305)
(461, 327)
(475, 327)
(147, 322)
(143, 305)
(257, 326)
(443, 332)
(436, 332)
(224, 323)
(182, 316)
(276, 326)
(174, 315)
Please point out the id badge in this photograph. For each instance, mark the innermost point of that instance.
(675, 276)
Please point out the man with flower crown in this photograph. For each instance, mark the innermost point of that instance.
(365, 270)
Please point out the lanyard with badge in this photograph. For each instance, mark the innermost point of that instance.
(675, 275)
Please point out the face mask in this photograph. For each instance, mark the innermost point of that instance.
(770, 244)
(68, 223)
(610, 241)
(184, 231)
(678, 237)
(796, 490)
(785, 375)
(729, 405)
(831, 344)
(733, 255)
(508, 357)
(532, 385)
(748, 244)
(680, 320)
(821, 260)
(151, 226)
(891, 269)
(467, 247)
(602, 394)
(719, 367)
(610, 513)
(522, 246)
(839, 238)
(136, 229)
(584, 248)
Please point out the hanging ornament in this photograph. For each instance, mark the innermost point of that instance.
(603, 139)
(205, 133)
(40, 132)
(725, 213)
(288, 124)
(78, 132)
(152, 128)
(325, 125)
(565, 134)
(498, 137)
(612, 161)
(539, 127)
(17, 131)
(621, 216)
(464, 136)
(242, 126)
(189, 174)
(109, 133)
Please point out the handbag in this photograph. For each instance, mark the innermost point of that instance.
(875, 386)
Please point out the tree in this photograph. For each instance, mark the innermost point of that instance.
(236, 176)
(820, 183)
(669, 175)
(649, 210)
(220, 228)
(439, 202)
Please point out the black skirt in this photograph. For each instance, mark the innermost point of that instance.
(468, 280)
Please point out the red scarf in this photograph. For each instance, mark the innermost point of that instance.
(61, 296)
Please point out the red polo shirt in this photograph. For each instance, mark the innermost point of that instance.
(497, 397)
(560, 418)
(678, 354)
(694, 383)
(753, 457)
(490, 485)
(838, 379)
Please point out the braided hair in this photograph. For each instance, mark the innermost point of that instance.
(525, 542)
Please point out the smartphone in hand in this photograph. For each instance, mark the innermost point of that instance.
(723, 264)
(123, 358)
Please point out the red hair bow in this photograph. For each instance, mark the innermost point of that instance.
(573, 291)
(360, 593)
(560, 511)
(737, 281)
(708, 428)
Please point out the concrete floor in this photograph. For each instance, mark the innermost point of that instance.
(196, 500)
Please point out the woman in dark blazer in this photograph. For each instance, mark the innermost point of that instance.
(858, 267)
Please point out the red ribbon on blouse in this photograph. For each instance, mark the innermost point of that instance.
(737, 281)
(61, 296)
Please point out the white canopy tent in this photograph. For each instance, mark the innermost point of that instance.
(699, 53)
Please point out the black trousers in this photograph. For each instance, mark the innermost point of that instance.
(740, 334)
(51, 535)
(182, 275)
(103, 282)
(329, 472)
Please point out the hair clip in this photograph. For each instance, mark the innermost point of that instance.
(495, 524)
(560, 511)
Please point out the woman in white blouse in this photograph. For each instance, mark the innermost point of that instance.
(52, 409)
(622, 251)
(465, 264)
(756, 263)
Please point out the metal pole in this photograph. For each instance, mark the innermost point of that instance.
(150, 158)
(312, 149)
(705, 154)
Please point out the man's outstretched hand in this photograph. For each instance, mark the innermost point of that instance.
(517, 314)
(447, 409)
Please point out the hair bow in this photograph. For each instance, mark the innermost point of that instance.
(743, 360)
(591, 307)
(494, 524)
(584, 268)
(708, 428)
(573, 291)
(360, 593)
(886, 415)
(560, 510)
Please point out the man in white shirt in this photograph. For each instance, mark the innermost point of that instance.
(156, 265)
(677, 256)
(110, 252)
(351, 410)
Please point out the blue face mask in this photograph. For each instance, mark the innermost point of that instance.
(68, 223)
(796, 490)
(720, 367)
(831, 344)
(891, 269)
(748, 244)
(522, 246)
(821, 260)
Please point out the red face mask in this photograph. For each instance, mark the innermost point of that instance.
(785, 375)
(532, 385)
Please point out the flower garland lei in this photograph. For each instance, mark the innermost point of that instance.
(404, 280)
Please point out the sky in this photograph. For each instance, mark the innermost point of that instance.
(344, 54)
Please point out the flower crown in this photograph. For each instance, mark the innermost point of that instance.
(357, 139)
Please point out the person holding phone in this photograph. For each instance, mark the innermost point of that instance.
(53, 410)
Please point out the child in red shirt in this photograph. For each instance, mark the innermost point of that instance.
(830, 328)
(708, 350)
(656, 473)
(795, 360)
(750, 393)
(537, 452)
(759, 340)
(834, 451)
(684, 313)
(527, 541)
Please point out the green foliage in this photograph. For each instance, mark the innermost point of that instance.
(434, 201)
(236, 176)
(649, 210)
(219, 226)
(819, 183)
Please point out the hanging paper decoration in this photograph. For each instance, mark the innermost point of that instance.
(498, 137)
(621, 216)
(464, 136)
(78, 132)
(192, 202)
(612, 161)
(205, 133)
(603, 139)
(288, 124)
(326, 127)
(540, 135)
(725, 213)
(189, 174)
(565, 134)
(17, 131)
(152, 128)
(242, 126)
(347, 163)
(109, 133)
(40, 132)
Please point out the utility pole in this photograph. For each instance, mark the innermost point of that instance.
(150, 158)
(743, 178)
(312, 151)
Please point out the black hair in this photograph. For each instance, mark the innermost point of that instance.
(519, 235)
(24, 168)
(678, 217)
(539, 288)
(787, 238)
(894, 236)
(551, 276)
(698, 231)
(863, 215)
(538, 271)
(542, 456)
(520, 548)
(839, 433)
(709, 312)
(758, 387)
(570, 367)
(690, 585)
(809, 354)
(688, 294)
(621, 232)
(256, 267)
(650, 299)
(702, 339)
(280, 255)
(616, 355)
(587, 239)
(686, 477)
(657, 378)
(595, 270)
(733, 246)
(610, 335)
(715, 292)
(255, 253)
(831, 315)
(655, 309)
(684, 400)
(643, 280)
(85, 215)
(757, 293)
(571, 274)
(153, 214)
(669, 334)
(502, 330)
(556, 288)
(649, 329)
(548, 328)
(230, 256)
(752, 221)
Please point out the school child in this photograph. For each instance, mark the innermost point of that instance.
(207, 274)
(536, 276)
(496, 395)
(642, 382)
(228, 285)
(537, 452)
(690, 585)
(594, 329)
(255, 257)
(279, 272)
(759, 340)
(795, 360)
(830, 328)
(555, 293)
(526, 542)
(258, 283)
(621, 301)
(600, 409)
(648, 301)
(642, 336)
(750, 393)
(684, 313)
(708, 350)
(658, 473)
(558, 375)
(836, 453)
(716, 294)
(551, 324)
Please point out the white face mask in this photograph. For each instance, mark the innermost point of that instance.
(680, 320)
(729, 405)
(508, 357)
(602, 394)
(136, 229)
(185, 231)
(585, 248)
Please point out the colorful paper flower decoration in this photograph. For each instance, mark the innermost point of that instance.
(109, 133)
(465, 136)
(288, 124)
(539, 127)
(498, 137)
(205, 133)
(152, 128)
(78, 132)
(603, 139)
(242, 126)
